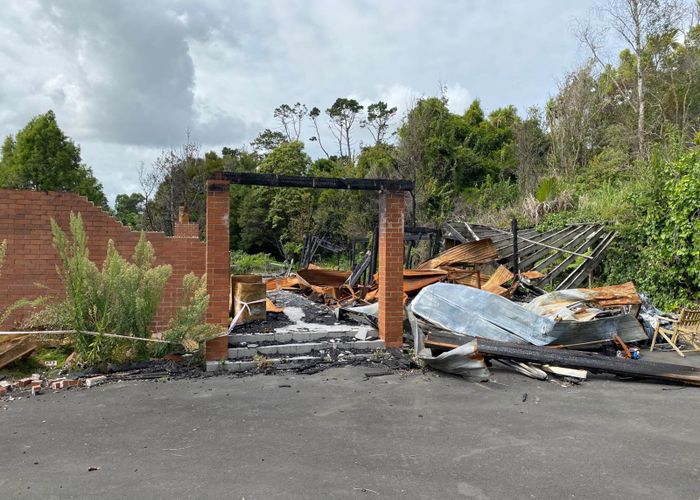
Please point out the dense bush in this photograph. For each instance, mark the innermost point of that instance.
(671, 233)
(120, 298)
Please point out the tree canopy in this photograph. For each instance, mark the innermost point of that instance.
(42, 157)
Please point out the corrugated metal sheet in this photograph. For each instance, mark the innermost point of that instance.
(475, 313)
(581, 303)
(552, 252)
(322, 277)
(473, 252)
(415, 280)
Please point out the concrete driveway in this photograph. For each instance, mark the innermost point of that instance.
(337, 434)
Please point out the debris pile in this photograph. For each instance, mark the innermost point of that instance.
(466, 308)
(68, 379)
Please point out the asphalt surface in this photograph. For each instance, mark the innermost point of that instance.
(338, 434)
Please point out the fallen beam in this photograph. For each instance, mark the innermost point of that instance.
(667, 372)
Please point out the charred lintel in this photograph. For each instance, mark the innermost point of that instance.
(298, 181)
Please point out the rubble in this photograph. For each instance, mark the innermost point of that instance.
(546, 257)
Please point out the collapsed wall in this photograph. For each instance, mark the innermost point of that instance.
(31, 259)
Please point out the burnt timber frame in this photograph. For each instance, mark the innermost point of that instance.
(390, 235)
(300, 181)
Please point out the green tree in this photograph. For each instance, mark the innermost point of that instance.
(343, 113)
(379, 116)
(129, 209)
(41, 157)
(275, 220)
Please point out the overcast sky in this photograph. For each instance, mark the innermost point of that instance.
(128, 78)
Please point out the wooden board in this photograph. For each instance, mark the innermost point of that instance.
(16, 348)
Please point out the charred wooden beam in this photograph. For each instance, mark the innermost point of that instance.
(590, 361)
(298, 181)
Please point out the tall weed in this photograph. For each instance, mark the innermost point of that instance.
(121, 298)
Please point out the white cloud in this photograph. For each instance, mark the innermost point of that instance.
(127, 78)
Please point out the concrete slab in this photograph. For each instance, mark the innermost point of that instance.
(236, 353)
(337, 434)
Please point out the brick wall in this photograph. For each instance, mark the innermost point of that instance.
(218, 264)
(186, 230)
(31, 258)
(391, 207)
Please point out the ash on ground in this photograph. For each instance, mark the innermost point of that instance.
(319, 314)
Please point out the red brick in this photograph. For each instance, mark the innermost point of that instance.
(217, 264)
(391, 223)
(24, 222)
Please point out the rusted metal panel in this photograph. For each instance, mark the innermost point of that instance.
(570, 301)
(473, 252)
(322, 277)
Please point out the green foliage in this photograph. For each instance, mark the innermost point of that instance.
(671, 230)
(41, 157)
(187, 329)
(129, 209)
(121, 298)
(276, 218)
(244, 263)
(547, 189)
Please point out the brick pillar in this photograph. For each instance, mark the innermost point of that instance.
(218, 264)
(391, 206)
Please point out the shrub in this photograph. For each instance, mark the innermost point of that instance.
(187, 328)
(671, 229)
(121, 298)
(244, 263)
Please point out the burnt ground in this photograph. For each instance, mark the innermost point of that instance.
(313, 313)
(341, 434)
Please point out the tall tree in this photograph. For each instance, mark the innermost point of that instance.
(268, 140)
(343, 114)
(379, 116)
(42, 157)
(314, 114)
(128, 209)
(275, 219)
(636, 22)
(291, 118)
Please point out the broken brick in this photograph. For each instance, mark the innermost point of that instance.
(64, 383)
(93, 381)
(24, 382)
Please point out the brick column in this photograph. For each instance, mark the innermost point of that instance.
(391, 206)
(218, 264)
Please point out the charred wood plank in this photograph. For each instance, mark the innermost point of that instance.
(590, 361)
(300, 181)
